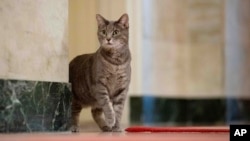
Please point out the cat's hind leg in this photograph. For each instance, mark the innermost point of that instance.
(75, 113)
(98, 116)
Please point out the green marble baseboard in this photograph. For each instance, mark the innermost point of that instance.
(34, 106)
(189, 112)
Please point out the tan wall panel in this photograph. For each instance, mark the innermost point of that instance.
(187, 43)
(82, 27)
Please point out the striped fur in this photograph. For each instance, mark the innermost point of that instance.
(101, 79)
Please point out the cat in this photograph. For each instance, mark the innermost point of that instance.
(101, 79)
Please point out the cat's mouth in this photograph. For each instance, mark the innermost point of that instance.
(109, 44)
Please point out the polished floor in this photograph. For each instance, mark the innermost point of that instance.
(117, 137)
(124, 136)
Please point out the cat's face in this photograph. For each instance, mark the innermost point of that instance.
(112, 34)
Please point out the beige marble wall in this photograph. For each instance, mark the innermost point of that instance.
(186, 39)
(33, 40)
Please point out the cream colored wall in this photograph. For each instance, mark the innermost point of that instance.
(82, 27)
(33, 40)
(206, 45)
(186, 42)
(83, 38)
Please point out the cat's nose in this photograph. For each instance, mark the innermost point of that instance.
(108, 39)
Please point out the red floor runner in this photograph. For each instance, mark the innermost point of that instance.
(177, 129)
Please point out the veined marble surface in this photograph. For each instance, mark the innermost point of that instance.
(28, 106)
(33, 40)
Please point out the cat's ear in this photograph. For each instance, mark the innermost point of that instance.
(124, 20)
(100, 20)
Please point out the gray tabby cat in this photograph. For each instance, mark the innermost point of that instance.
(101, 79)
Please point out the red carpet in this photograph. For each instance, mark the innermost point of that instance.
(177, 129)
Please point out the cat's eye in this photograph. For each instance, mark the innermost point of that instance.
(115, 32)
(103, 32)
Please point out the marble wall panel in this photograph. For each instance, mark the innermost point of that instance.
(33, 40)
(29, 106)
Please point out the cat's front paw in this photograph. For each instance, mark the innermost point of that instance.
(117, 129)
(106, 129)
(75, 129)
